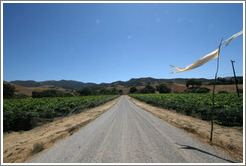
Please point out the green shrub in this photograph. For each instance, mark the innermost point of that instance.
(202, 90)
(162, 88)
(8, 91)
(50, 93)
(223, 91)
(133, 89)
(38, 147)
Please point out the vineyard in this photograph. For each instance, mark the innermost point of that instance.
(24, 114)
(228, 107)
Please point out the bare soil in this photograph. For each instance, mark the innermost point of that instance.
(227, 139)
(21, 146)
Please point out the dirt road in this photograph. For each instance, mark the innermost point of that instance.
(128, 134)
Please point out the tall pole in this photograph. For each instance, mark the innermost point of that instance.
(212, 113)
(235, 76)
(212, 116)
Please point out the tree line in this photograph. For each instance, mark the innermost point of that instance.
(162, 88)
(90, 91)
(9, 92)
(192, 86)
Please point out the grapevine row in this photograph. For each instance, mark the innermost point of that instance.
(24, 114)
(228, 107)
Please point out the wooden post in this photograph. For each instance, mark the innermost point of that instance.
(212, 113)
(235, 76)
(212, 116)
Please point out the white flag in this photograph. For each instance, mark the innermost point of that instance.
(200, 62)
(205, 59)
(234, 36)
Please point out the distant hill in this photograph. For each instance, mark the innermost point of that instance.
(26, 90)
(66, 84)
(71, 85)
(149, 80)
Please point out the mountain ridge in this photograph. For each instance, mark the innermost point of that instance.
(72, 84)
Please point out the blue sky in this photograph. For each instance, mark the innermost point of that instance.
(110, 42)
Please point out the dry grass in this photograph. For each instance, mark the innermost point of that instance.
(229, 140)
(37, 147)
(26, 90)
(19, 148)
(227, 88)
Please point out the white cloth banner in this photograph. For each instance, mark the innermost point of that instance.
(200, 62)
(234, 36)
(205, 59)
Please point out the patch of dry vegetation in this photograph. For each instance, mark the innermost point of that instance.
(27, 90)
(228, 88)
(19, 147)
(227, 139)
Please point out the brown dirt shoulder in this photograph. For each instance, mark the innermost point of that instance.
(229, 140)
(19, 147)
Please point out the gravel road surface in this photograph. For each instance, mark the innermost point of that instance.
(128, 134)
